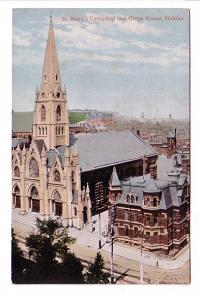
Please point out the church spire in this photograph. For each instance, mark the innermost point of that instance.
(51, 73)
(50, 119)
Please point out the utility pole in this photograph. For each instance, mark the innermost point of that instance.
(141, 257)
(141, 267)
(99, 229)
(99, 200)
(112, 237)
(111, 266)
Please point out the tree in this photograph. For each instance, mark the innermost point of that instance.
(17, 260)
(95, 273)
(47, 248)
(71, 270)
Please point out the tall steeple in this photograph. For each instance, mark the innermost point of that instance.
(51, 74)
(50, 120)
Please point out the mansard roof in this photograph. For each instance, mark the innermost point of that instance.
(151, 187)
(102, 149)
(170, 192)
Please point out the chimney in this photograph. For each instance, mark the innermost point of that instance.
(153, 170)
(138, 132)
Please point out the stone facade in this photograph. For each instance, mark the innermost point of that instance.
(46, 177)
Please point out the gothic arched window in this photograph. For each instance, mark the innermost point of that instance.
(43, 113)
(33, 168)
(56, 176)
(58, 113)
(16, 190)
(56, 196)
(62, 129)
(16, 172)
(34, 192)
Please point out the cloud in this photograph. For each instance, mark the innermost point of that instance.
(21, 38)
(91, 43)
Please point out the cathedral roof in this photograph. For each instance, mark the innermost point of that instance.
(40, 144)
(98, 150)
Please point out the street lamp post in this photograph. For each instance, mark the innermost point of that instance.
(141, 257)
(111, 254)
(141, 266)
(99, 229)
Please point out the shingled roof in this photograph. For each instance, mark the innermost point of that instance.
(97, 150)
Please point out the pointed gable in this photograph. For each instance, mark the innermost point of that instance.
(151, 187)
(114, 180)
(171, 134)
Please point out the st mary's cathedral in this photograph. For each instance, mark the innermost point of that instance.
(56, 174)
(46, 172)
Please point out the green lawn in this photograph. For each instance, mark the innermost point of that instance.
(75, 117)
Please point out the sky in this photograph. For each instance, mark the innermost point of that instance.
(123, 60)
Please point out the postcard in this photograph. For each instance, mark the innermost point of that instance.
(101, 146)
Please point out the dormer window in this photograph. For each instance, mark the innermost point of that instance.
(148, 202)
(128, 198)
(132, 199)
(154, 202)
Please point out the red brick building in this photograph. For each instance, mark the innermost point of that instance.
(150, 211)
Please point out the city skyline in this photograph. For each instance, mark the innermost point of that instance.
(137, 66)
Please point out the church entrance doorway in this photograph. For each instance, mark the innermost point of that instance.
(35, 205)
(16, 198)
(85, 215)
(34, 201)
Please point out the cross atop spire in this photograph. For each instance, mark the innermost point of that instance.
(51, 73)
(50, 15)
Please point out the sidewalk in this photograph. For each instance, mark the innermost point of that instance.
(24, 224)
